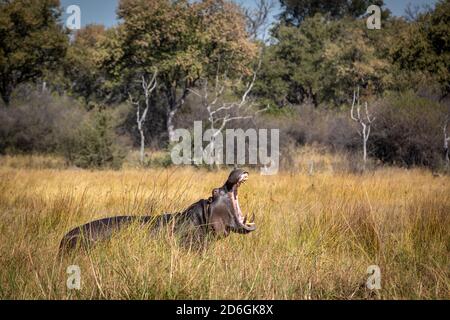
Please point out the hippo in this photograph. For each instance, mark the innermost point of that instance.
(215, 217)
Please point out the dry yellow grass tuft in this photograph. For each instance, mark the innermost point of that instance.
(316, 236)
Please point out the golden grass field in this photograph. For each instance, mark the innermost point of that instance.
(316, 235)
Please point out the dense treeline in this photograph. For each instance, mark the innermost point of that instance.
(77, 94)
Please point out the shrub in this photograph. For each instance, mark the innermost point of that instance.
(95, 144)
(45, 124)
(309, 125)
(37, 123)
(408, 131)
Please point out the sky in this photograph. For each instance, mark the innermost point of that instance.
(104, 11)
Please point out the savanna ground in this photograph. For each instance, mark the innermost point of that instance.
(317, 234)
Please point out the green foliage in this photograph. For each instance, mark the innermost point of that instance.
(82, 65)
(94, 143)
(351, 59)
(296, 11)
(163, 160)
(423, 46)
(31, 42)
(272, 86)
(322, 61)
(183, 41)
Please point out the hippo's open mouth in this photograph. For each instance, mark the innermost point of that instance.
(244, 226)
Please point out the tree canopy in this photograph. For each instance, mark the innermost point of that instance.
(423, 45)
(31, 42)
(296, 11)
(182, 41)
(82, 66)
(320, 60)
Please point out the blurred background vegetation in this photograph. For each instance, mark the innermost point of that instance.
(68, 93)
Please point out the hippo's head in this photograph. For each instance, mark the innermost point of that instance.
(225, 213)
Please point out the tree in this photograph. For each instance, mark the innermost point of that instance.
(258, 18)
(320, 60)
(424, 45)
(364, 120)
(226, 101)
(31, 42)
(413, 12)
(82, 64)
(296, 11)
(273, 85)
(298, 54)
(95, 143)
(351, 59)
(182, 39)
(148, 86)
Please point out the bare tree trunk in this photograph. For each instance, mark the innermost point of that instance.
(365, 138)
(148, 87)
(365, 152)
(174, 103)
(364, 149)
(365, 123)
(220, 112)
(142, 150)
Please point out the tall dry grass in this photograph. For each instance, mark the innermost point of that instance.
(316, 236)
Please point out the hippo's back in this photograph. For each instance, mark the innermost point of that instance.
(97, 230)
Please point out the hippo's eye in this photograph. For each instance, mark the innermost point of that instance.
(215, 192)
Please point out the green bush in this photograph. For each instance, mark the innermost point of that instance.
(95, 144)
(163, 160)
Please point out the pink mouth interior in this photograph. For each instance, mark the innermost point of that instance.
(235, 199)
